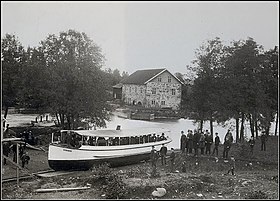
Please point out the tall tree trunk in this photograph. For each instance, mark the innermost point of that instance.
(62, 120)
(267, 129)
(276, 124)
(252, 125)
(68, 121)
(211, 126)
(211, 129)
(237, 129)
(242, 127)
(201, 125)
(256, 128)
(58, 121)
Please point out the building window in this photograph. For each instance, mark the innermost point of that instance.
(173, 91)
(169, 78)
(135, 89)
(154, 90)
(129, 89)
(162, 102)
(159, 79)
(141, 90)
(153, 102)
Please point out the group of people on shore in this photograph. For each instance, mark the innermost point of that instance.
(199, 140)
(192, 142)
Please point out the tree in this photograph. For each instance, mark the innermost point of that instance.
(75, 83)
(245, 94)
(124, 75)
(35, 82)
(205, 90)
(12, 59)
(268, 76)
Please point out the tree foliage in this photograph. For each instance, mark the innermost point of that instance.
(75, 78)
(12, 59)
(236, 81)
(62, 75)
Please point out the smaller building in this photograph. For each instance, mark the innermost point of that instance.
(117, 91)
(152, 88)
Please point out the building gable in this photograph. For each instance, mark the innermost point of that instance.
(166, 75)
(141, 76)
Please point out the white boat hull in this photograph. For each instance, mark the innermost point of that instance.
(63, 158)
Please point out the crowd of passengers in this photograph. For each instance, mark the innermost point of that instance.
(75, 140)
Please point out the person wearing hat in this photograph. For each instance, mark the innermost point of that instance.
(196, 138)
(227, 143)
(216, 143)
(263, 141)
(232, 165)
(183, 141)
(163, 151)
(154, 157)
(24, 159)
(190, 142)
(251, 144)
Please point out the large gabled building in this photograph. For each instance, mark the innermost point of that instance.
(152, 88)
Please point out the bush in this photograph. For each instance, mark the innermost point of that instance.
(113, 186)
(257, 195)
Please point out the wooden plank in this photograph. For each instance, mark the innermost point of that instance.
(25, 177)
(53, 174)
(61, 189)
(32, 147)
(14, 178)
(11, 139)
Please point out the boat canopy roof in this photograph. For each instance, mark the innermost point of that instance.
(120, 133)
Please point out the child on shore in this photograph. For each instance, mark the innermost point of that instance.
(232, 166)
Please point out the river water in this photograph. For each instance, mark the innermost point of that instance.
(175, 127)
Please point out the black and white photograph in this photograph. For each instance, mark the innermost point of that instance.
(139, 100)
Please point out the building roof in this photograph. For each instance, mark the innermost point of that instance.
(141, 76)
(118, 86)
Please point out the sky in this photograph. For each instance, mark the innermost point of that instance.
(145, 35)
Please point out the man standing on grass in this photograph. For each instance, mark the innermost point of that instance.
(227, 144)
(208, 142)
(196, 138)
(263, 141)
(251, 144)
(190, 142)
(232, 165)
(163, 151)
(217, 142)
(153, 157)
(183, 142)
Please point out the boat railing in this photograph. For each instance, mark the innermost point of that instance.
(79, 140)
